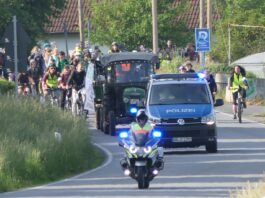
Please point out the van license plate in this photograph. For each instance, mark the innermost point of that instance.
(182, 139)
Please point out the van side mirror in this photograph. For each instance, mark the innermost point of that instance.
(219, 102)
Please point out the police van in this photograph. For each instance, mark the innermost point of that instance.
(182, 108)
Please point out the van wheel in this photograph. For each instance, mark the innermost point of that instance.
(211, 147)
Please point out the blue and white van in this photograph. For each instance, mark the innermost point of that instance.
(181, 106)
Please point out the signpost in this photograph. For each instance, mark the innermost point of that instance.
(202, 41)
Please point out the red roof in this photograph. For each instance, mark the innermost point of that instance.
(192, 15)
(69, 16)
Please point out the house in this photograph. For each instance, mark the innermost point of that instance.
(63, 30)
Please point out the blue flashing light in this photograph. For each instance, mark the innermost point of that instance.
(201, 75)
(133, 110)
(157, 134)
(123, 134)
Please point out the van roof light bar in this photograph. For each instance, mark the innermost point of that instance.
(175, 76)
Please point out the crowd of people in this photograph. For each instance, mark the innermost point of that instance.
(50, 68)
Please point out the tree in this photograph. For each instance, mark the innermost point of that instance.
(245, 41)
(130, 22)
(32, 14)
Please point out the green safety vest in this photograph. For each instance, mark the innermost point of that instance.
(138, 129)
(237, 82)
(52, 81)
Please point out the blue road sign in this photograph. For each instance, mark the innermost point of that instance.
(202, 39)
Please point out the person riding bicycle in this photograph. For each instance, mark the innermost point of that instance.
(50, 81)
(23, 83)
(77, 80)
(237, 84)
(65, 75)
(34, 74)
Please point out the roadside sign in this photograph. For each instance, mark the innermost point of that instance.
(202, 39)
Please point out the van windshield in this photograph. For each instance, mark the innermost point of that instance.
(169, 94)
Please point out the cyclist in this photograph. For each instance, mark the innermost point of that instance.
(50, 81)
(77, 80)
(65, 75)
(34, 74)
(237, 84)
(23, 83)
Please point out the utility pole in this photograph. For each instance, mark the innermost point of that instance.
(66, 37)
(155, 31)
(81, 22)
(229, 44)
(209, 17)
(15, 51)
(202, 54)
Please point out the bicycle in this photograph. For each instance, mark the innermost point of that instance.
(80, 104)
(239, 107)
(68, 100)
(54, 99)
(240, 104)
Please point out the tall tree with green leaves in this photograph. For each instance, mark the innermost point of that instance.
(32, 14)
(130, 22)
(244, 40)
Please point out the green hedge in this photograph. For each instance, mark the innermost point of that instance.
(6, 86)
(29, 152)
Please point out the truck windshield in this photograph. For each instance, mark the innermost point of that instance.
(135, 71)
(169, 94)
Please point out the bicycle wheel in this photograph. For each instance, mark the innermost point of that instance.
(239, 110)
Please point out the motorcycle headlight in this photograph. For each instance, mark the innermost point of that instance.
(148, 149)
(133, 149)
(209, 119)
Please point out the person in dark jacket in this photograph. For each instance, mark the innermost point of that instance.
(211, 82)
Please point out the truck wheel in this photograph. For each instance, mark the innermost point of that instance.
(98, 118)
(112, 123)
(211, 147)
(106, 128)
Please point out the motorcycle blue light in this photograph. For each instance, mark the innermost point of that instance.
(123, 134)
(133, 110)
(157, 134)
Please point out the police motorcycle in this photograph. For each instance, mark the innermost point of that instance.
(143, 156)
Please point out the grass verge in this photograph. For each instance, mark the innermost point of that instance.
(251, 190)
(30, 154)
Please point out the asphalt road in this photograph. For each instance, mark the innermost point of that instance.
(187, 172)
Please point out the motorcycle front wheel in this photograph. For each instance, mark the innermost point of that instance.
(142, 180)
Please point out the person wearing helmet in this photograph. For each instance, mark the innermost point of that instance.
(141, 125)
(50, 80)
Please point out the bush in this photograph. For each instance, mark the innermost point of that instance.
(6, 86)
(219, 68)
(29, 152)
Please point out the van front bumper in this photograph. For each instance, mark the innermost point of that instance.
(192, 135)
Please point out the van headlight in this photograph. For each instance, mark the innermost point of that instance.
(209, 119)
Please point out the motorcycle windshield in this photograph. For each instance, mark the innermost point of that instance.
(140, 139)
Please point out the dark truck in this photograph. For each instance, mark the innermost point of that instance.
(120, 87)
